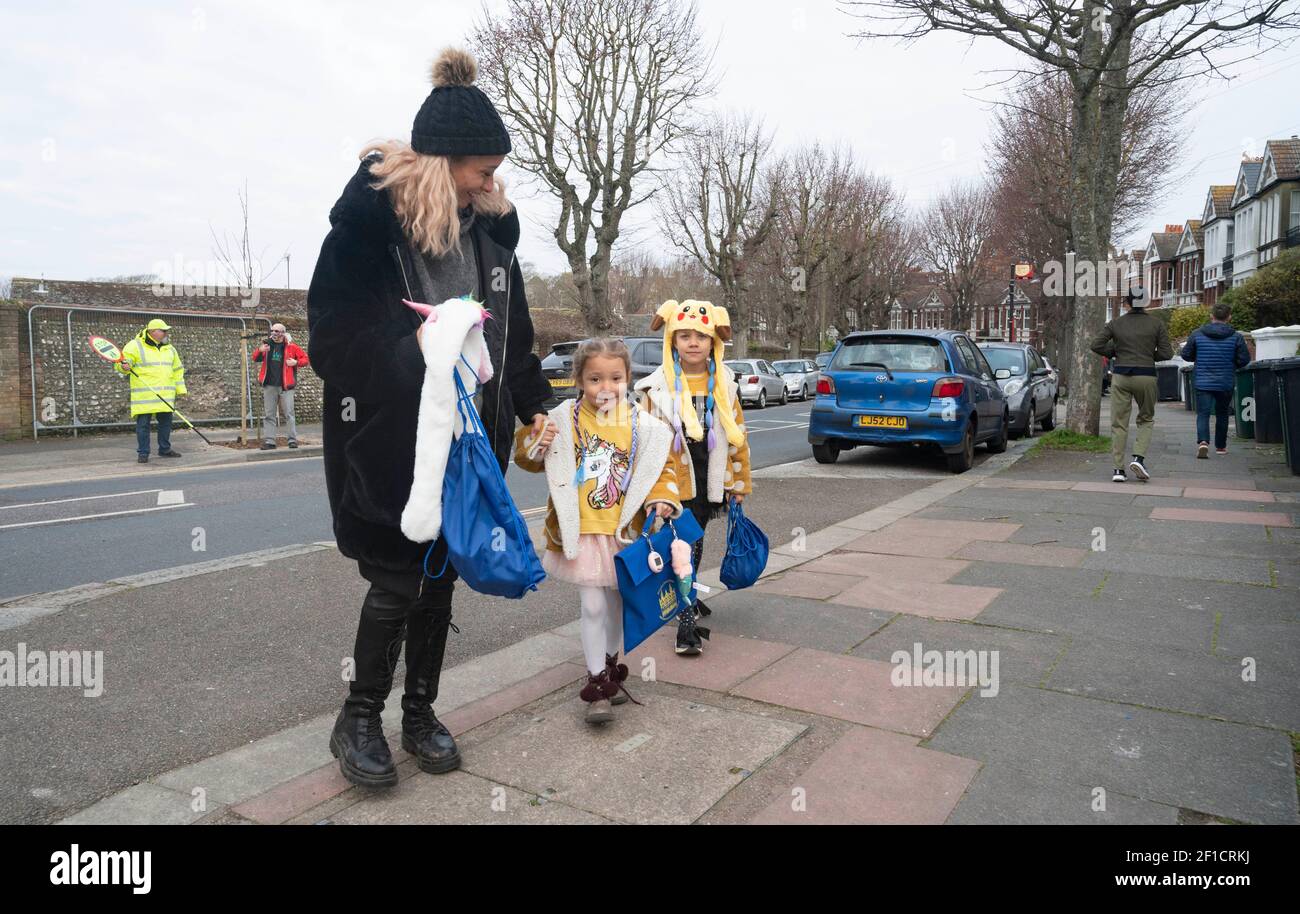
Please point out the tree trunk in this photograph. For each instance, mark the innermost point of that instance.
(1100, 105)
(740, 318)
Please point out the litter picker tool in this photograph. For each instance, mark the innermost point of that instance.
(107, 350)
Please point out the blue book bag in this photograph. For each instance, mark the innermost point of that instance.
(487, 539)
(650, 598)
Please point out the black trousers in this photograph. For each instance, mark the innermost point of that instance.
(402, 608)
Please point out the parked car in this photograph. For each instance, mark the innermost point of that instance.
(647, 355)
(558, 368)
(1027, 384)
(758, 382)
(800, 376)
(922, 387)
(823, 359)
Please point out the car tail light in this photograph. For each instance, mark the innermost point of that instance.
(753, 379)
(825, 385)
(948, 387)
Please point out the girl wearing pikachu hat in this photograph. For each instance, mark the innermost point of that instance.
(697, 395)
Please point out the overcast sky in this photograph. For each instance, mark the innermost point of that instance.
(126, 129)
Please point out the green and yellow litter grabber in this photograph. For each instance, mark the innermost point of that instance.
(107, 350)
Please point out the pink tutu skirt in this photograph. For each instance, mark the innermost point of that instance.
(594, 566)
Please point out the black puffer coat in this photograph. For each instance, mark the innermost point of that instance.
(363, 346)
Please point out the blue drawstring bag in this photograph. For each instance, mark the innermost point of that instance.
(746, 550)
(487, 539)
(651, 598)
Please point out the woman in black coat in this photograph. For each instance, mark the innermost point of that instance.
(425, 221)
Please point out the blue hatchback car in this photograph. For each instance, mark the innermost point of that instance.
(903, 387)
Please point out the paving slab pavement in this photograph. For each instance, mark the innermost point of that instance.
(1120, 695)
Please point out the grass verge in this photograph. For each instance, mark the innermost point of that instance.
(1061, 439)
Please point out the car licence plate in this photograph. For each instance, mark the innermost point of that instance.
(882, 421)
(561, 382)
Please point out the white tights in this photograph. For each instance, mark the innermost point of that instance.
(602, 624)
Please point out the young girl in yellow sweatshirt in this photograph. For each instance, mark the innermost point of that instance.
(696, 393)
(607, 463)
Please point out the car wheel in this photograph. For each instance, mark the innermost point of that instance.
(762, 399)
(785, 397)
(998, 445)
(1030, 422)
(1049, 421)
(803, 394)
(962, 461)
(826, 453)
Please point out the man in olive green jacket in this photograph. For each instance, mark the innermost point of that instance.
(1134, 342)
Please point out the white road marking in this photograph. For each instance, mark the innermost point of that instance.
(171, 497)
(777, 428)
(62, 501)
(66, 520)
(229, 465)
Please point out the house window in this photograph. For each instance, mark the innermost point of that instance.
(1295, 210)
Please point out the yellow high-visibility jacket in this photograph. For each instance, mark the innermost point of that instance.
(158, 370)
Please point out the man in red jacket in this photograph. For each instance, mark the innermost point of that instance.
(280, 360)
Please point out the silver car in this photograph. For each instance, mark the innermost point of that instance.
(1027, 383)
(758, 382)
(800, 376)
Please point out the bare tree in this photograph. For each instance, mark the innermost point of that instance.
(1029, 164)
(6, 286)
(633, 282)
(809, 195)
(891, 260)
(1106, 49)
(234, 253)
(596, 91)
(862, 241)
(713, 210)
(952, 238)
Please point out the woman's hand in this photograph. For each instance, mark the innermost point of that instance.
(663, 509)
(737, 497)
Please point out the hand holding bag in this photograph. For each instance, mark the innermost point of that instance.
(487, 539)
(747, 548)
(651, 598)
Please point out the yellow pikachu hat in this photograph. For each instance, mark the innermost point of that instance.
(712, 320)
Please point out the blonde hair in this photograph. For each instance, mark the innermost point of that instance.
(423, 193)
(602, 345)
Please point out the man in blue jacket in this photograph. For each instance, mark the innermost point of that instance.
(1218, 352)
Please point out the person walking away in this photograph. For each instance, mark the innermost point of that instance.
(1134, 342)
(1218, 352)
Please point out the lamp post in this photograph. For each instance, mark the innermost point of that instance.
(1019, 270)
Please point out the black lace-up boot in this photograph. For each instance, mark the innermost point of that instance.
(358, 738)
(423, 735)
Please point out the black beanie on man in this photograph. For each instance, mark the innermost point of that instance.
(457, 119)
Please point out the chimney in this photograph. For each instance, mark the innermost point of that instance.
(1173, 229)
